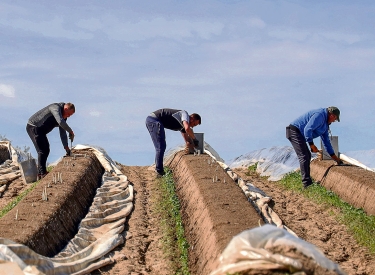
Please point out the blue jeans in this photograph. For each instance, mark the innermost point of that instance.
(157, 133)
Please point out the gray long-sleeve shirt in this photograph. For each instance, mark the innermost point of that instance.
(50, 117)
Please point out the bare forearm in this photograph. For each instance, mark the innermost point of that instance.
(188, 130)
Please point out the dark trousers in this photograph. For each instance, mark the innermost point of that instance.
(41, 144)
(298, 142)
(157, 133)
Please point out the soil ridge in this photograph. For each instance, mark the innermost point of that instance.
(214, 209)
(352, 184)
(47, 226)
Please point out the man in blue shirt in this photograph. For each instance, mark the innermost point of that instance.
(310, 125)
(176, 120)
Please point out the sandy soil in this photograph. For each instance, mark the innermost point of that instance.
(142, 249)
(47, 226)
(314, 224)
(213, 208)
(219, 208)
(352, 184)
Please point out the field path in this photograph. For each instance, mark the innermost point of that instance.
(141, 253)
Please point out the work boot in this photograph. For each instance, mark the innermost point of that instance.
(159, 174)
(306, 185)
(40, 176)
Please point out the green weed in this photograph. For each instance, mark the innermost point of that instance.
(16, 200)
(361, 225)
(174, 242)
(252, 169)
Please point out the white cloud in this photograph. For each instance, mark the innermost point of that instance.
(256, 23)
(342, 37)
(92, 24)
(52, 28)
(95, 113)
(175, 81)
(161, 27)
(289, 34)
(7, 90)
(317, 35)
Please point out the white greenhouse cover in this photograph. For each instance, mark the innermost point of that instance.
(277, 161)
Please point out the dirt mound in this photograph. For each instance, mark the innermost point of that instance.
(315, 224)
(353, 184)
(213, 210)
(47, 226)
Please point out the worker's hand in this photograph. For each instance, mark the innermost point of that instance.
(68, 152)
(313, 148)
(71, 136)
(337, 159)
(189, 148)
(196, 142)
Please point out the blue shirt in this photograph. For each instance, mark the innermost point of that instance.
(314, 124)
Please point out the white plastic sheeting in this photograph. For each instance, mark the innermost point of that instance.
(355, 162)
(256, 197)
(15, 154)
(273, 162)
(250, 250)
(9, 170)
(99, 232)
(366, 157)
(277, 161)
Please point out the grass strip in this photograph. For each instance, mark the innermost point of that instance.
(16, 200)
(361, 225)
(174, 243)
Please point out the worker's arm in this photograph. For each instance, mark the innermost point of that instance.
(186, 138)
(190, 134)
(337, 159)
(56, 112)
(188, 130)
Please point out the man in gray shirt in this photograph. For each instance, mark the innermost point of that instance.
(172, 119)
(43, 122)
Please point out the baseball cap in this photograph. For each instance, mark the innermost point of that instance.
(334, 110)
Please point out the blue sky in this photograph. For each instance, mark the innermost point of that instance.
(247, 67)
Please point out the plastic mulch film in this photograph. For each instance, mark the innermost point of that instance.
(251, 250)
(256, 197)
(98, 234)
(277, 161)
(9, 169)
(16, 154)
(355, 162)
(272, 162)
